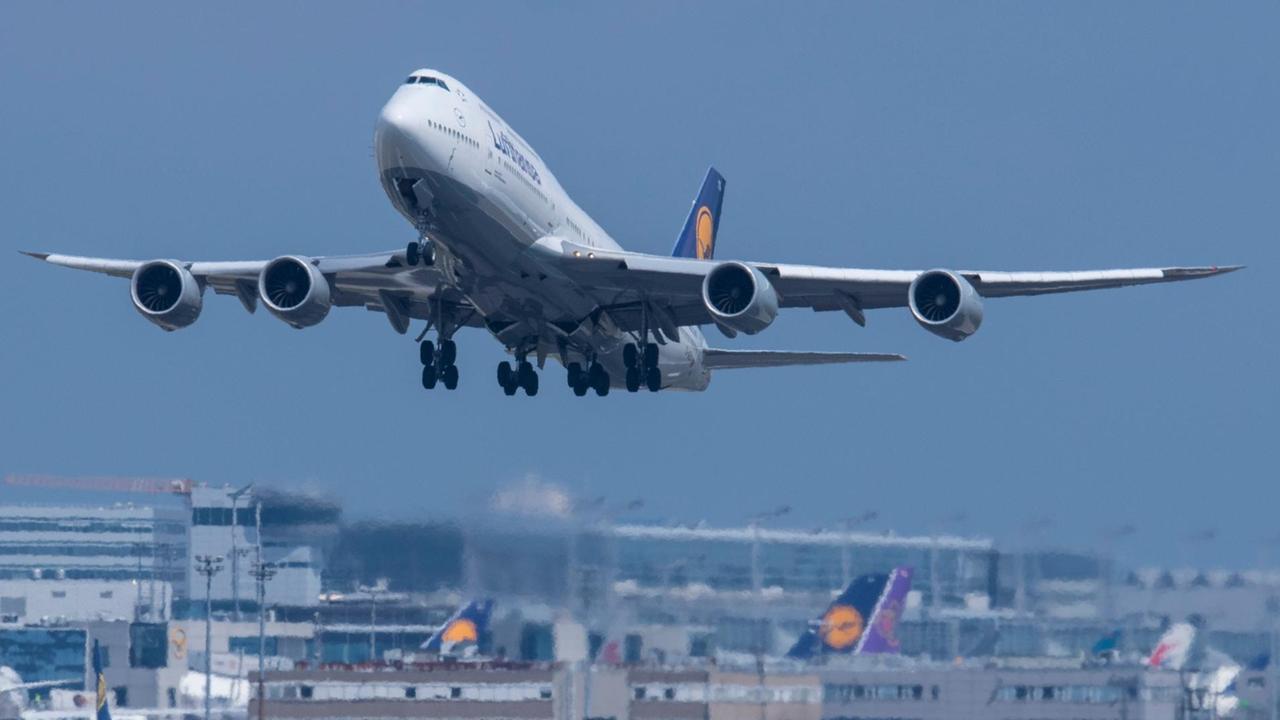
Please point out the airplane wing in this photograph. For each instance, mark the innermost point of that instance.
(381, 282)
(675, 284)
(716, 359)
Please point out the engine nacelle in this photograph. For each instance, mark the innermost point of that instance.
(167, 294)
(293, 289)
(739, 297)
(945, 304)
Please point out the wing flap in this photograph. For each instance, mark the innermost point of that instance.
(717, 359)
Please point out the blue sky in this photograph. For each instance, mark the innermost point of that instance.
(1002, 136)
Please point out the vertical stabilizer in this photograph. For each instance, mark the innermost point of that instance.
(698, 237)
(467, 626)
(101, 708)
(881, 637)
(863, 619)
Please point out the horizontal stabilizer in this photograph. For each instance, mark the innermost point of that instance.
(725, 359)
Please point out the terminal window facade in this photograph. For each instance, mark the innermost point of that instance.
(480, 692)
(845, 693)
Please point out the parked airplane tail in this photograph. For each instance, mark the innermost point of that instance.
(698, 237)
(101, 707)
(465, 627)
(1173, 648)
(863, 620)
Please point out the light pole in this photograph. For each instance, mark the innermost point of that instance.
(373, 590)
(262, 572)
(208, 566)
(934, 586)
(849, 524)
(1025, 533)
(235, 552)
(1107, 568)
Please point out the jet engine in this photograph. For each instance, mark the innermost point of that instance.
(167, 294)
(739, 297)
(293, 290)
(945, 304)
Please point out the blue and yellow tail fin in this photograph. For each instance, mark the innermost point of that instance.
(467, 626)
(101, 708)
(698, 237)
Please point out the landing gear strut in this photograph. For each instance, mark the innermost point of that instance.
(642, 367)
(438, 364)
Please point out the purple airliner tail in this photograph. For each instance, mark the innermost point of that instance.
(881, 636)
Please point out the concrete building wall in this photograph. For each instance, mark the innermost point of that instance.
(29, 601)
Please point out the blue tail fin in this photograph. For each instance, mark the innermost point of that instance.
(102, 709)
(467, 626)
(698, 237)
(862, 620)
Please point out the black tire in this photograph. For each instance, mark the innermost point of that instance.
(594, 373)
(505, 374)
(524, 372)
(427, 352)
(633, 379)
(653, 379)
(413, 254)
(448, 353)
(531, 385)
(429, 377)
(601, 382)
(630, 355)
(574, 372)
(580, 389)
(449, 376)
(510, 389)
(651, 355)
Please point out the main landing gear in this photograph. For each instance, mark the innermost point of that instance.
(438, 364)
(593, 378)
(642, 367)
(521, 376)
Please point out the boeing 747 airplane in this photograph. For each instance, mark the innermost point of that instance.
(501, 246)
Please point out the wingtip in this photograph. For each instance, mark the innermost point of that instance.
(36, 255)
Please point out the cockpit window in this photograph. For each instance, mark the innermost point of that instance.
(426, 80)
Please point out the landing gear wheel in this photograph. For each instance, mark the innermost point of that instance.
(653, 379)
(413, 253)
(524, 372)
(651, 355)
(448, 352)
(575, 375)
(506, 376)
(429, 377)
(427, 352)
(581, 388)
(630, 355)
(510, 389)
(599, 379)
(530, 384)
(633, 379)
(449, 376)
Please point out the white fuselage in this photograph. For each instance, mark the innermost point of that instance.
(480, 193)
